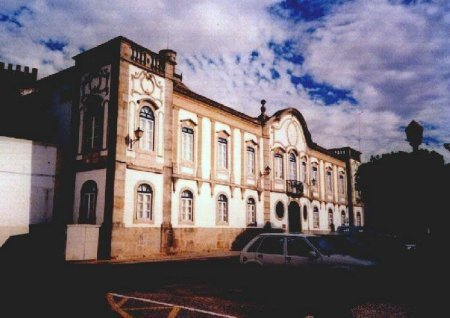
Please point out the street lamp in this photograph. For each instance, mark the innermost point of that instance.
(414, 134)
(266, 171)
(138, 133)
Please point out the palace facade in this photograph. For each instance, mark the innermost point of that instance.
(161, 169)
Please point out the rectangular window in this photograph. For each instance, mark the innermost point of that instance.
(278, 163)
(147, 125)
(329, 182)
(250, 161)
(314, 179)
(223, 153)
(316, 223)
(144, 206)
(292, 168)
(341, 185)
(186, 209)
(223, 217)
(188, 144)
(303, 171)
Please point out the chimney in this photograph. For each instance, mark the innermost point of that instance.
(169, 58)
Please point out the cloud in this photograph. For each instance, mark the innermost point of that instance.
(357, 70)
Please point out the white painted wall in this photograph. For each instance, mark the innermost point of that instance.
(27, 183)
(99, 176)
(132, 179)
(205, 205)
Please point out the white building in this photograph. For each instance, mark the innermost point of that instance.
(27, 185)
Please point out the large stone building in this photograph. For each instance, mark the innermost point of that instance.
(162, 169)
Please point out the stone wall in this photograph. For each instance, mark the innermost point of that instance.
(130, 242)
(204, 239)
(134, 242)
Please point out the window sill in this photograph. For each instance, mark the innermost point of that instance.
(139, 221)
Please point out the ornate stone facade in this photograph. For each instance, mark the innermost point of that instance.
(177, 172)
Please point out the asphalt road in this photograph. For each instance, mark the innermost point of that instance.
(36, 288)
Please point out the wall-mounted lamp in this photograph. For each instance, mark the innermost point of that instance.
(138, 133)
(266, 171)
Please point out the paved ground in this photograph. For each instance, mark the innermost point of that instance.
(37, 288)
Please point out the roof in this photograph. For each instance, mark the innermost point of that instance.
(179, 87)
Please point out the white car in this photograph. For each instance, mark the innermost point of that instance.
(298, 250)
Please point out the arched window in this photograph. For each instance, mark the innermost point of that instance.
(330, 220)
(316, 221)
(88, 202)
(222, 209)
(358, 219)
(251, 211)
(93, 125)
(292, 166)
(187, 206)
(343, 218)
(147, 124)
(279, 210)
(278, 164)
(144, 209)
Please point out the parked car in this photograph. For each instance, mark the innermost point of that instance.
(299, 250)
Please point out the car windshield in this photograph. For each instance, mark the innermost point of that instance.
(326, 245)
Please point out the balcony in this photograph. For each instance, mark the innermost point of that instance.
(294, 188)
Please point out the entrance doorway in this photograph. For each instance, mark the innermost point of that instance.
(294, 217)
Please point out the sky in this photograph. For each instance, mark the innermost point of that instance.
(359, 71)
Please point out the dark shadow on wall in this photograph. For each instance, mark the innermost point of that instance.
(249, 233)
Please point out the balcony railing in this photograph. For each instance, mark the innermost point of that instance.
(294, 188)
(147, 58)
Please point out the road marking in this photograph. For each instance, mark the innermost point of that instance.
(115, 307)
(122, 301)
(174, 312)
(146, 308)
(172, 305)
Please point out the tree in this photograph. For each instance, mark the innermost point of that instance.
(404, 192)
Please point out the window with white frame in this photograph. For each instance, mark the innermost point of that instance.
(316, 221)
(251, 211)
(329, 182)
(278, 165)
(343, 218)
(341, 185)
(93, 125)
(304, 171)
(147, 124)
(250, 161)
(314, 176)
(358, 219)
(222, 144)
(330, 220)
(187, 139)
(222, 209)
(187, 206)
(292, 167)
(144, 203)
(88, 202)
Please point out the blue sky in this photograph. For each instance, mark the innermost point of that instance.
(357, 70)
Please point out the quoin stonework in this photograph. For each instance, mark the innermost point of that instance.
(158, 168)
